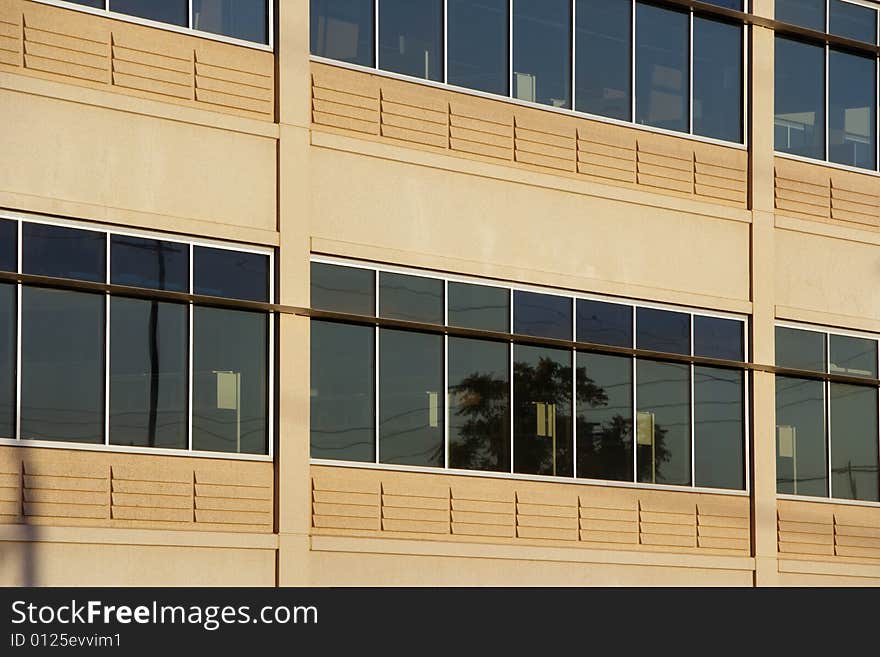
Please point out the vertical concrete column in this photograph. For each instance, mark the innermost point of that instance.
(763, 302)
(292, 459)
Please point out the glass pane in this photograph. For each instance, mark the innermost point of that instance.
(715, 337)
(799, 124)
(63, 252)
(604, 417)
(718, 80)
(604, 323)
(230, 381)
(239, 19)
(343, 289)
(232, 274)
(728, 4)
(97, 4)
(542, 411)
(479, 405)
(149, 263)
(854, 456)
(411, 38)
(342, 396)
(852, 21)
(411, 298)
(149, 383)
(8, 245)
(800, 350)
(719, 435)
(478, 36)
(542, 51)
(479, 307)
(7, 360)
(542, 315)
(62, 365)
(165, 11)
(806, 13)
(410, 398)
(663, 330)
(343, 30)
(663, 423)
(853, 356)
(604, 34)
(852, 97)
(662, 69)
(801, 468)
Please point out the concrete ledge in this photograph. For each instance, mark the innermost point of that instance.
(146, 537)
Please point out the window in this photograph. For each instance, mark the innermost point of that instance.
(8, 245)
(173, 12)
(718, 79)
(852, 123)
(343, 30)
(662, 79)
(135, 368)
(814, 416)
(478, 45)
(806, 13)
(456, 394)
(852, 21)
(542, 51)
(411, 38)
(604, 33)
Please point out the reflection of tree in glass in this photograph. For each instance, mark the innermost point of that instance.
(480, 402)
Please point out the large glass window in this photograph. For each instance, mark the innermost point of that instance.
(7, 360)
(411, 298)
(62, 365)
(663, 422)
(854, 452)
(718, 79)
(240, 19)
(604, 34)
(148, 373)
(716, 337)
(604, 417)
(800, 98)
(800, 350)
(663, 330)
(599, 322)
(231, 274)
(8, 245)
(151, 263)
(342, 392)
(411, 38)
(801, 466)
(343, 289)
(542, 431)
(230, 381)
(806, 13)
(479, 307)
(479, 405)
(719, 428)
(662, 67)
(543, 315)
(852, 21)
(63, 252)
(852, 100)
(411, 398)
(174, 12)
(542, 51)
(478, 36)
(343, 30)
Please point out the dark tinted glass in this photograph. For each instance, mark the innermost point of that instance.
(729, 4)
(477, 41)
(149, 385)
(542, 315)
(852, 21)
(343, 289)
(342, 392)
(239, 19)
(412, 298)
(479, 307)
(8, 245)
(63, 252)
(410, 398)
(799, 123)
(801, 468)
(719, 436)
(852, 100)
(149, 263)
(663, 330)
(542, 51)
(800, 350)
(411, 38)
(663, 423)
(853, 356)
(854, 457)
(165, 11)
(479, 405)
(604, 323)
(604, 417)
(62, 365)
(97, 4)
(662, 68)
(542, 411)
(806, 13)
(7, 360)
(232, 274)
(715, 337)
(343, 30)
(230, 381)
(604, 34)
(718, 79)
